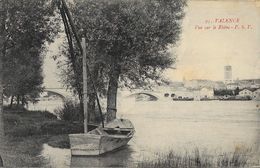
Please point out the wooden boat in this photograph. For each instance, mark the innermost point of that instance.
(101, 140)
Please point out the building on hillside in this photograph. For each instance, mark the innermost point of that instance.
(200, 83)
(246, 92)
(203, 93)
(256, 94)
(249, 83)
(196, 95)
(218, 85)
(182, 93)
(255, 86)
(244, 84)
(206, 92)
(176, 84)
(194, 84)
(232, 86)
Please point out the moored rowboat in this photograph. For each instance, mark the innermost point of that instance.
(101, 140)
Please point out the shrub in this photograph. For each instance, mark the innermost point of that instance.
(24, 130)
(49, 115)
(60, 127)
(59, 141)
(69, 112)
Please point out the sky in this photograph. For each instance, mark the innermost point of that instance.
(203, 53)
(50, 70)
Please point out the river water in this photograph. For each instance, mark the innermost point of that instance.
(212, 126)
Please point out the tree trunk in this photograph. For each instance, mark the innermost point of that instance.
(23, 101)
(2, 41)
(1, 162)
(81, 111)
(2, 52)
(93, 116)
(1, 97)
(1, 101)
(112, 94)
(92, 106)
(18, 100)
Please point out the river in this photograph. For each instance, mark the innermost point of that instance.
(212, 126)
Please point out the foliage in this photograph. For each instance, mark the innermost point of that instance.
(30, 123)
(29, 25)
(60, 141)
(131, 35)
(27, 131)
(69, 111)
(236, 92)
(127, 42)
(23, 152)
(224, 92)
(23, 123)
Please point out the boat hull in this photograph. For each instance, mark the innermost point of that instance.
(84, 144)
(90, 144)
(101, 140)
(111, 143)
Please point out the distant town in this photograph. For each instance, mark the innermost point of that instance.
(228, 89)
(187, 90)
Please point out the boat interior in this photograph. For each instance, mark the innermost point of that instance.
(111, 131)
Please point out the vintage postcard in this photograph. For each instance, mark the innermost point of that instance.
(133, 83)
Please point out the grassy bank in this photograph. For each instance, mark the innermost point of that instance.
(240, 158)
(26, 131)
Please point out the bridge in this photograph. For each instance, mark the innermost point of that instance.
(61, 92)
(151, 95)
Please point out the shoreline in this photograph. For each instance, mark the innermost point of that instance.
(28, 131)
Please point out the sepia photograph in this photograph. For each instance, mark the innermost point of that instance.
(130, 83)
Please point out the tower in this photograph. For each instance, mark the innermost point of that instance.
(227, 74)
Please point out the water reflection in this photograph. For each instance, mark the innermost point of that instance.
(257, 140)
(119, 158)
(216, 126)
(56, 157)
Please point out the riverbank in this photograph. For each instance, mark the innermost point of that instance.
(240, 158)
(206, 125)
(26, 132)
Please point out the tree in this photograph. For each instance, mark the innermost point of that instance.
(29, 24)
(224, 92)
(23, 74)
(74, 83)
(128, 41)
(237, 91)
(2, 39)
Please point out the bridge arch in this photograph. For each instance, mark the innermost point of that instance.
(139, 95)
(56, 93)
(61, 93)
